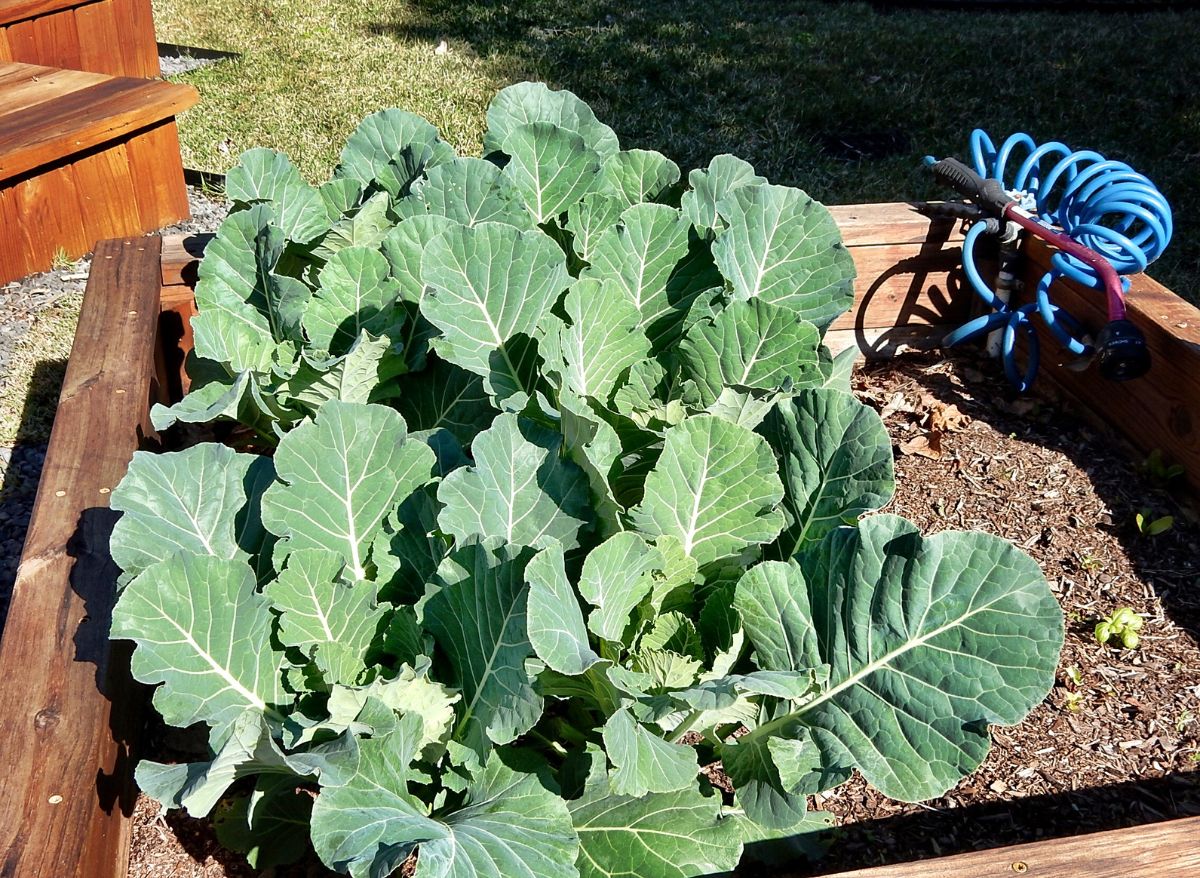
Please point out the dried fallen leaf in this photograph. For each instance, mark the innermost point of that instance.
(897, 403)
(948, 419)
(925, 445)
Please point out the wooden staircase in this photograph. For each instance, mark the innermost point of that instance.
(89, 149)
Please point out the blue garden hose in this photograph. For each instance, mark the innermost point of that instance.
(1104, 205)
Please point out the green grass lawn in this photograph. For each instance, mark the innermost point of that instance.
(781, 84)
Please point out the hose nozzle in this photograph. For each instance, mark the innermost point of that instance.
(1121, 351)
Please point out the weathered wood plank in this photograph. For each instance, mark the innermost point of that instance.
(106, 193)
(892, 223)
(1160, 850)
(65, 124)
(181, 258)
(97, 23)
(19, 10)
(57, 39)
(49, 207)
(65, 761)
(136, 46)
(157, 176)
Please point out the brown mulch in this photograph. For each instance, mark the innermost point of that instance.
(1117, 742)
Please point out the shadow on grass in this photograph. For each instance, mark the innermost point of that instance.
(844, 99)
(24, 469)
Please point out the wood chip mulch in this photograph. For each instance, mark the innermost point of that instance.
(1117, 743)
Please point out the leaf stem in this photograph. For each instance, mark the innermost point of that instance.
(686, 726)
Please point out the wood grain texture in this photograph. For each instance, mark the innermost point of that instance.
(1160, 850)
(106, 193)
(136, 46)
(97, 23)
(51, 218)
(181, 258)
(20, 10)
(891, 223)
(156, 173)
(14, 260)
(57, 39)
(79, 118)
(5, 50)
(1160, 410)
(67, 709)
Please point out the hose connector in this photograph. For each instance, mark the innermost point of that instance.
(1121, 351)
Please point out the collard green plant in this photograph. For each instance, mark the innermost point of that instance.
(539, 492)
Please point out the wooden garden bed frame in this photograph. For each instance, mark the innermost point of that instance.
(69, 714)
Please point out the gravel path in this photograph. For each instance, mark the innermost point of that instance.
(20, 304)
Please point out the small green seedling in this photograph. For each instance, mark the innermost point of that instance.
(1123, 625)
(1150, 526)
(1158, 470)
(1091, 564)
(1074, 675)
(1074, 701)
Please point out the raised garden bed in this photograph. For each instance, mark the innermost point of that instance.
(66, 757)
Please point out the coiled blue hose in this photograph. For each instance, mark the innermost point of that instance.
(1104, 205)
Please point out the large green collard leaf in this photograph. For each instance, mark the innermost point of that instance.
(265, 175)
(339, 476)
(443, 396)
(403, 248)
(320, 611)
(679, 834)
(587, 221)
(246, 399)
(364, 226)
(643, 762)
(556, 628)
(201, 630)
(594, 446)
(529, 102)
(521, 489)
(785, 248)
(472, 191)
(269, 825)
(715, 489)
(477, 614)
(711, 185)
(489, 284)
(602, 339)
(928, 641)
(390, 149)
(244, 308)
(639, 175)
(410, 691)
(200, 501)
(551, 167)
(507, 825)
(355, 294)
(835, 460)
(750, 346)
(365, 373)
(617, 577)
(645, 253)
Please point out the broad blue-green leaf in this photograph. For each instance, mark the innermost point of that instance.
(643, 762)
(390, 149)
(835, 460)
(594, 446)
(365, 373)
(488, 284)
(711, 185)
(520, 489)
(928, 641)
(641, 253)
(785, 248)
(269, 825)
(356, 295)
(244, 309)
(477, 614)
(472, 191)
(339, 476)
(590, 218)
(201, 630)
(410, 547)
(808, 838)
(269, 176)
(403, 248)
(443, 396)
(750, 345)
(195, 501)
(556, 628)
(551, 167)
(410, 691)
(715, 488)
(529, 102)
(661, 835)
(249, 750)
(366, 226)
(320, 611)
(636, 175)
(243, 400)
(838, 367)
(767, 798)
(602, 339)
(617, 576)
(508, 823)
(776, 618)
(341, 195)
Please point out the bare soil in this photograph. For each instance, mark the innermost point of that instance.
(1117, 742)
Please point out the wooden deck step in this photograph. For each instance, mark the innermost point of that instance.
(84, 157)
(45, 116)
